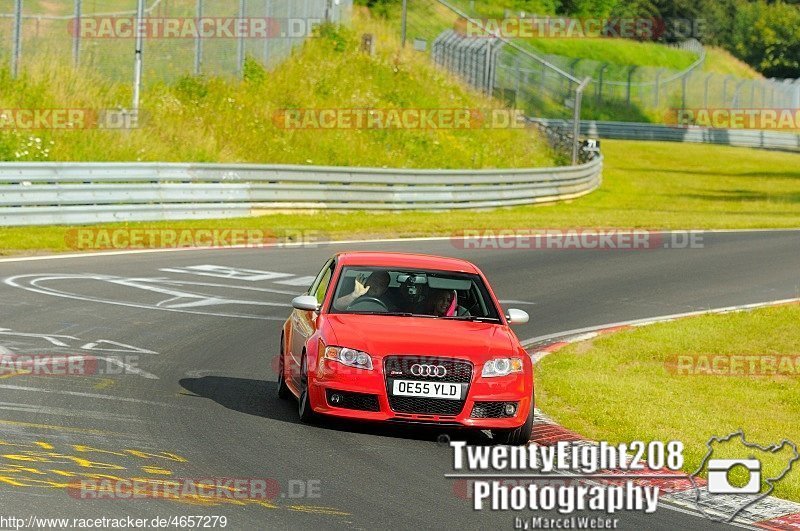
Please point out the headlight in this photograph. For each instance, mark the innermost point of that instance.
(501, 367)
(349, 357)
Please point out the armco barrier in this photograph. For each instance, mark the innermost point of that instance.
(644, 131)
(82, 193)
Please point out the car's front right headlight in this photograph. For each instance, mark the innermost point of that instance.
(349, 357)
(501, 367)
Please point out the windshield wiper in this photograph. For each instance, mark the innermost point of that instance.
(392, 314)
(476, 318)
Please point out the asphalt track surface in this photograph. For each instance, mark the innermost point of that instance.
(205, 339)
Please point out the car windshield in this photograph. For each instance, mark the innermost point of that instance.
(413, 293)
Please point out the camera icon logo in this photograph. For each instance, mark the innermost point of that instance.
(734, 484)
(719, 476)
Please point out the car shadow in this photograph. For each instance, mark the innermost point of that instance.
(259, 398)
(253, 397)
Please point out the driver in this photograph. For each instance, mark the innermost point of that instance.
(374, 286)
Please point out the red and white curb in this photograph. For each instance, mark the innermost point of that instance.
(769, 513)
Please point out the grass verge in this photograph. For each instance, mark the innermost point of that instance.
(628, 52)
(200, 119)
(627, 386)
(649, 185)
(617, 51)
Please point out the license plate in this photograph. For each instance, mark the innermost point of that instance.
(447, 391)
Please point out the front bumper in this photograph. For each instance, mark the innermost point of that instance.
(333, 376)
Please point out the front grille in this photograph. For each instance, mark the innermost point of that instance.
(359, 401)
(489, 410)
(458, 371)
(399, 367)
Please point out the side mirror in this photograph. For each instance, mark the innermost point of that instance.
(517, 316)
(305, 302)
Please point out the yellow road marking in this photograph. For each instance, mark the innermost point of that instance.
(156, 470)
(104, 383)
(162, 455)
(317, 510)
(14, 373)
(19, 475)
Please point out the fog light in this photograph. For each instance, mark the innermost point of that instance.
(336, 398)
(509, 409)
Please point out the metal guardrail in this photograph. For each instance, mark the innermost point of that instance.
(83, 193)
(668, 133)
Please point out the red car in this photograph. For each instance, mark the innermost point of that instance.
(407, 338)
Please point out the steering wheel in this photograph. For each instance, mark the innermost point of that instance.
(367, 301)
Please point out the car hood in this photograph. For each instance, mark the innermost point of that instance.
(381, 335)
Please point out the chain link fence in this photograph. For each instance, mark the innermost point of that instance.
(545, 85)
(497, 66)
(179, 36)
(658, 91)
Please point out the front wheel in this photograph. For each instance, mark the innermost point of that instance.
(519, 436)
(304, 409)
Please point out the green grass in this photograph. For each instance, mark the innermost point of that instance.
(720, 61)
(620, 388)
(648, 185)
(629, 52)
(218, 120)
(617, 51)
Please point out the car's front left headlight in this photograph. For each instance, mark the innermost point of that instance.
(349, 357)
(501, 367)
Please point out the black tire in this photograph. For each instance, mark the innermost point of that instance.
(304, 410)
(517, 437)
(284, 393)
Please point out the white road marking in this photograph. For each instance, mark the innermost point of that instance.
(56, 340)
(156, 285)
(67, 412)
(129, 369)
(88, 395)
(235, 273)
(123, 347)
(53, 339)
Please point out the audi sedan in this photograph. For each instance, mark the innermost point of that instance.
(393, 337)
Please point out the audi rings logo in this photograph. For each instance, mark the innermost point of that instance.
(435, 371)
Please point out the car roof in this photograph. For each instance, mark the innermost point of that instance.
(402, 260)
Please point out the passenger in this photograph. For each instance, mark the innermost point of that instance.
(444, 303)
(375, 286)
